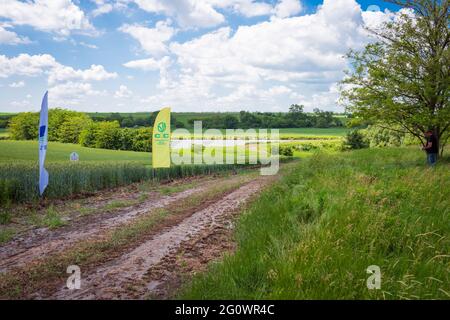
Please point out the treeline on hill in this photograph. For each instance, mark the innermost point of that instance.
(295, 118)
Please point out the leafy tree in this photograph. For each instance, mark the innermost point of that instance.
(381, 137)
(127, 138)
(107, 135)
(296, 109)
(403, 79)
(324, 119)
(69, 131)
(24, 126)
(88, 135)
(127, 122)
(231, 122)
(143, 140)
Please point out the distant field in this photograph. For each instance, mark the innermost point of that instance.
(314, 132)
(27, 150)
(295, 133)
(3, 132)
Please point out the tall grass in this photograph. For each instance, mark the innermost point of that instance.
(314, 234)
(19, 181)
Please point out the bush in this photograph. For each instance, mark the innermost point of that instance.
(355, 140)
(286, 150)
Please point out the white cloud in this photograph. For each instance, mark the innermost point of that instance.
(287, 8)
(269, 64)
(105, 6)
(149, 64)
(21, 104)
(71, 93)
(88, 45)
(19, 84)
(58, 16)
(9, 37)
(123, 92)
(27, 65)
(61, 73)
(152, 40)
(188, 13)
(205, 13)
(102, 9)
(247, 8)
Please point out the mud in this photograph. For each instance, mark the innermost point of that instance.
(37, 243)
(153, 268)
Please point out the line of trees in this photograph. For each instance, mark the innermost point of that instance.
(111, 131)
(76, 127)
(134, 121)
(295, 118)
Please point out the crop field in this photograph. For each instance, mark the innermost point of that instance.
(28, 150)
(97, 169)
(285, 134)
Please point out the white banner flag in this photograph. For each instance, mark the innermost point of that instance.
(43, 137)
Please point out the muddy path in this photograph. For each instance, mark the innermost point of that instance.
(135, 273)
(38, 243)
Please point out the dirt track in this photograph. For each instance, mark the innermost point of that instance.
(153, 267)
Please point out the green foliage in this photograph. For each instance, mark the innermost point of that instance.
(69, 131)
(64, 125)
(143, 140)
(355, 140)
(24, 126)
(382, 137)
(403, 79)
(286, 150)
(314, 234)
(109, 135)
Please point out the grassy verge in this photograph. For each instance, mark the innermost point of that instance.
(314, 234)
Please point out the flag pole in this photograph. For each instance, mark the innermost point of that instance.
(43, 141)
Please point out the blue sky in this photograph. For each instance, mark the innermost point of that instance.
(192, 55)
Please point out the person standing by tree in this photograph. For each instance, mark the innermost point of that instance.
(431, 147)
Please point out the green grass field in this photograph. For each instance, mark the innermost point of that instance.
(27, 150)
(287, 133)
(3, 133)
(293, 132)
(97, 169)
(314, 234)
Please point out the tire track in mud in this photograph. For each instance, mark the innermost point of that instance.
(41, 242)
(124, 277)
